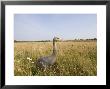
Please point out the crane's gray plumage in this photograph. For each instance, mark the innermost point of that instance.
(49, 60)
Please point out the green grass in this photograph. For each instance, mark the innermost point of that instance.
(73, 58)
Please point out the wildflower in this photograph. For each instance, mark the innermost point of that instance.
(74, 68)
(32, 62)
(19, 69)
(29, 58)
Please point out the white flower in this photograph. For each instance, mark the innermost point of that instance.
(32, 62)
(29, 58)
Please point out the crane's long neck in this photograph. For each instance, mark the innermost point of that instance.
(54, 48)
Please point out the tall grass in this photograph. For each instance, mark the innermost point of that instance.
(73, 58)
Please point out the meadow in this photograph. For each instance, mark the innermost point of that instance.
(73, 58)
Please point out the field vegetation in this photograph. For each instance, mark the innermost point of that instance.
(74, 58)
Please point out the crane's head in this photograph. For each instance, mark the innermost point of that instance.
(57, 39)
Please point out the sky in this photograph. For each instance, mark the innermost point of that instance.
(35, 27)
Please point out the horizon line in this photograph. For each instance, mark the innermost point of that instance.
(62, 39)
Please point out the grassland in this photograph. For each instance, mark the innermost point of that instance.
(73, 58)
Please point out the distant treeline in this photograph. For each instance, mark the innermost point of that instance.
(94, 39)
